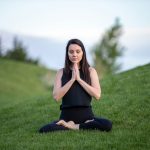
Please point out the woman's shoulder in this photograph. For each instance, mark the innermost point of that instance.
(92, 69)
(93, 72)
(60, 71)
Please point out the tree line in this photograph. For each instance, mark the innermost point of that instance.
(18, 52)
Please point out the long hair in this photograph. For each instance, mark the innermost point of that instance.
(83, 63)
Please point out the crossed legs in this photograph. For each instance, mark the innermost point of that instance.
(96, 123)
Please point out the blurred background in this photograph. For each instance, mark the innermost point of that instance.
(33, 37)
(116, 34)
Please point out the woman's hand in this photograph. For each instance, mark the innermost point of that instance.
(76, 71)
(73, 75)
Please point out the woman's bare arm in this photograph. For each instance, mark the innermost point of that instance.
(59, 91)
(93, 89)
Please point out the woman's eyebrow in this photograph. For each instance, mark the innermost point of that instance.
(74, 49)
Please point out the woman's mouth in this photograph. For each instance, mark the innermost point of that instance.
(74, 59)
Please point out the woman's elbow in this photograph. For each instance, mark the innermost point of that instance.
(56, 97)
(97, 96)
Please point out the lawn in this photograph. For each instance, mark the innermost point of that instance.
(26, 104)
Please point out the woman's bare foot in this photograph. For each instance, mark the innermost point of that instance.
(88, 121)
(69, 124)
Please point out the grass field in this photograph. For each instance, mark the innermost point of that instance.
(26, 104)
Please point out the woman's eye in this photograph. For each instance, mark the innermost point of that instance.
(71, 52)
(78, 51)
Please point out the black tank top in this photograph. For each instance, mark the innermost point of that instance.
(76, 95)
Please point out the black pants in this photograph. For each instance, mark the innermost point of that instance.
(79, 116)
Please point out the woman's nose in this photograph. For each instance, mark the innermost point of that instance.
(74, 54)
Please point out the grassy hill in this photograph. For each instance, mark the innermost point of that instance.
(26, 104)
(20, 81)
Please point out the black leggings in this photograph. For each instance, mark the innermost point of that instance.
(79, 116)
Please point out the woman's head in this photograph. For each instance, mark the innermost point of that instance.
(75, 53)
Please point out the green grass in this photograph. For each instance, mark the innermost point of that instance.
(26, 104)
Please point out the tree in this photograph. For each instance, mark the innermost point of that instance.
(107, 51)
(18, 52)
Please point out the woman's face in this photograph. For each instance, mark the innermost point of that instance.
(75, 53)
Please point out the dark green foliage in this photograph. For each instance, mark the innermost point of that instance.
(18, 52)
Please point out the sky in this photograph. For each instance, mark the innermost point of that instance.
(84, 19)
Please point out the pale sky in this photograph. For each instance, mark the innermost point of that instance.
(83, 19)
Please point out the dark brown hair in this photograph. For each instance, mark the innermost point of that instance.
(84, 65)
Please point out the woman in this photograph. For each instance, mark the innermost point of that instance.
(76, 84)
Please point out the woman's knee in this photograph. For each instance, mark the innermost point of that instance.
(43, 130)
(47, 128)
(108, 126)
(105, 124)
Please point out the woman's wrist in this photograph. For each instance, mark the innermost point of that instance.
(72, 80)
(79, 79)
